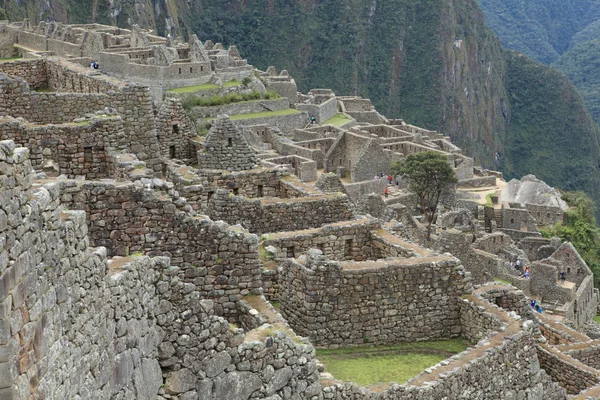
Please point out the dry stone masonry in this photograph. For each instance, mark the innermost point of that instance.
(140, 252)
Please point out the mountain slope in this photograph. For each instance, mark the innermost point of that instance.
(434, 63)
(542, 29)
(554, 139)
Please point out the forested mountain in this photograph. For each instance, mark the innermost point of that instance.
(541, 29)
(434, 63)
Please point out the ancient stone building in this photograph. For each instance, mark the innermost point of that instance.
(140, 256)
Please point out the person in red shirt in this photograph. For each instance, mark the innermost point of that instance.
(387, 192)
(390, 179)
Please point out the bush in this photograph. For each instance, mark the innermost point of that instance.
(271, 95)
(216, 100)
(247, 80)
(251, 96)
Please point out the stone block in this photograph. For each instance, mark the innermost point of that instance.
(180, 381)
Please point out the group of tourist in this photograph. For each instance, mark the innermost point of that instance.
(535, 304)
(390, 179)
(526, 271)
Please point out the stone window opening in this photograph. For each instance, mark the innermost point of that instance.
(568, 270)
(229, 142)
(191, 70)
(176, 129)
(512, 221)
(289, 251)
(202, 68)
(208, 196)
(236, 191)
(578, 270)
(179, 71)
(172, 151)
(259, 191)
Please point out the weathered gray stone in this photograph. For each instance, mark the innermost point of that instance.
(180, 381)
(237, 385)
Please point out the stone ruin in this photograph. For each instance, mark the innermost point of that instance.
(141, 260)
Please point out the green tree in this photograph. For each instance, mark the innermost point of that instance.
(429, 174)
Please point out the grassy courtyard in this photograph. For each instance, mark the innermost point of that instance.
(337, 120)
(288, 111)
(203, 87)
(387, 364)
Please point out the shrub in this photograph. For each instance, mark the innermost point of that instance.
(271, 95)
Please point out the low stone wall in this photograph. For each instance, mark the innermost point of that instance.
(504, 366)
(341, 304)
(246, 107)
(277, 215)
(571, 374)
(476, 323)
(477, 182)
(198, 186)
(286, 123)
(588, 353)
(358, 189)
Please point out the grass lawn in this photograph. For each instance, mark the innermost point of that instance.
(288, 111)
(232, 83)
(502, 281)
(597, 319)
(337, 120)
(386, 364)
(204, 86)
(10, 59)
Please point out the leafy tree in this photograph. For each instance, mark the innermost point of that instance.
(580, 228)
(429, 174)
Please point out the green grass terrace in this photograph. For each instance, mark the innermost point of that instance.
(385, 365)
(203, 87)
(264, 114)
(338, 120)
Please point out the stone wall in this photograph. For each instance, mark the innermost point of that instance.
(133, 103)
(198, 186)
(322, 112)
(545, 215)
(59, 307)
(33, 71)
(357, 240)
(588, 353)
(175, 131)
(503, 366)
(246, 107)
(571, 374)
(72, 149)
(341, 304)
(285, 123)
(276, 215)
(130, 218)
